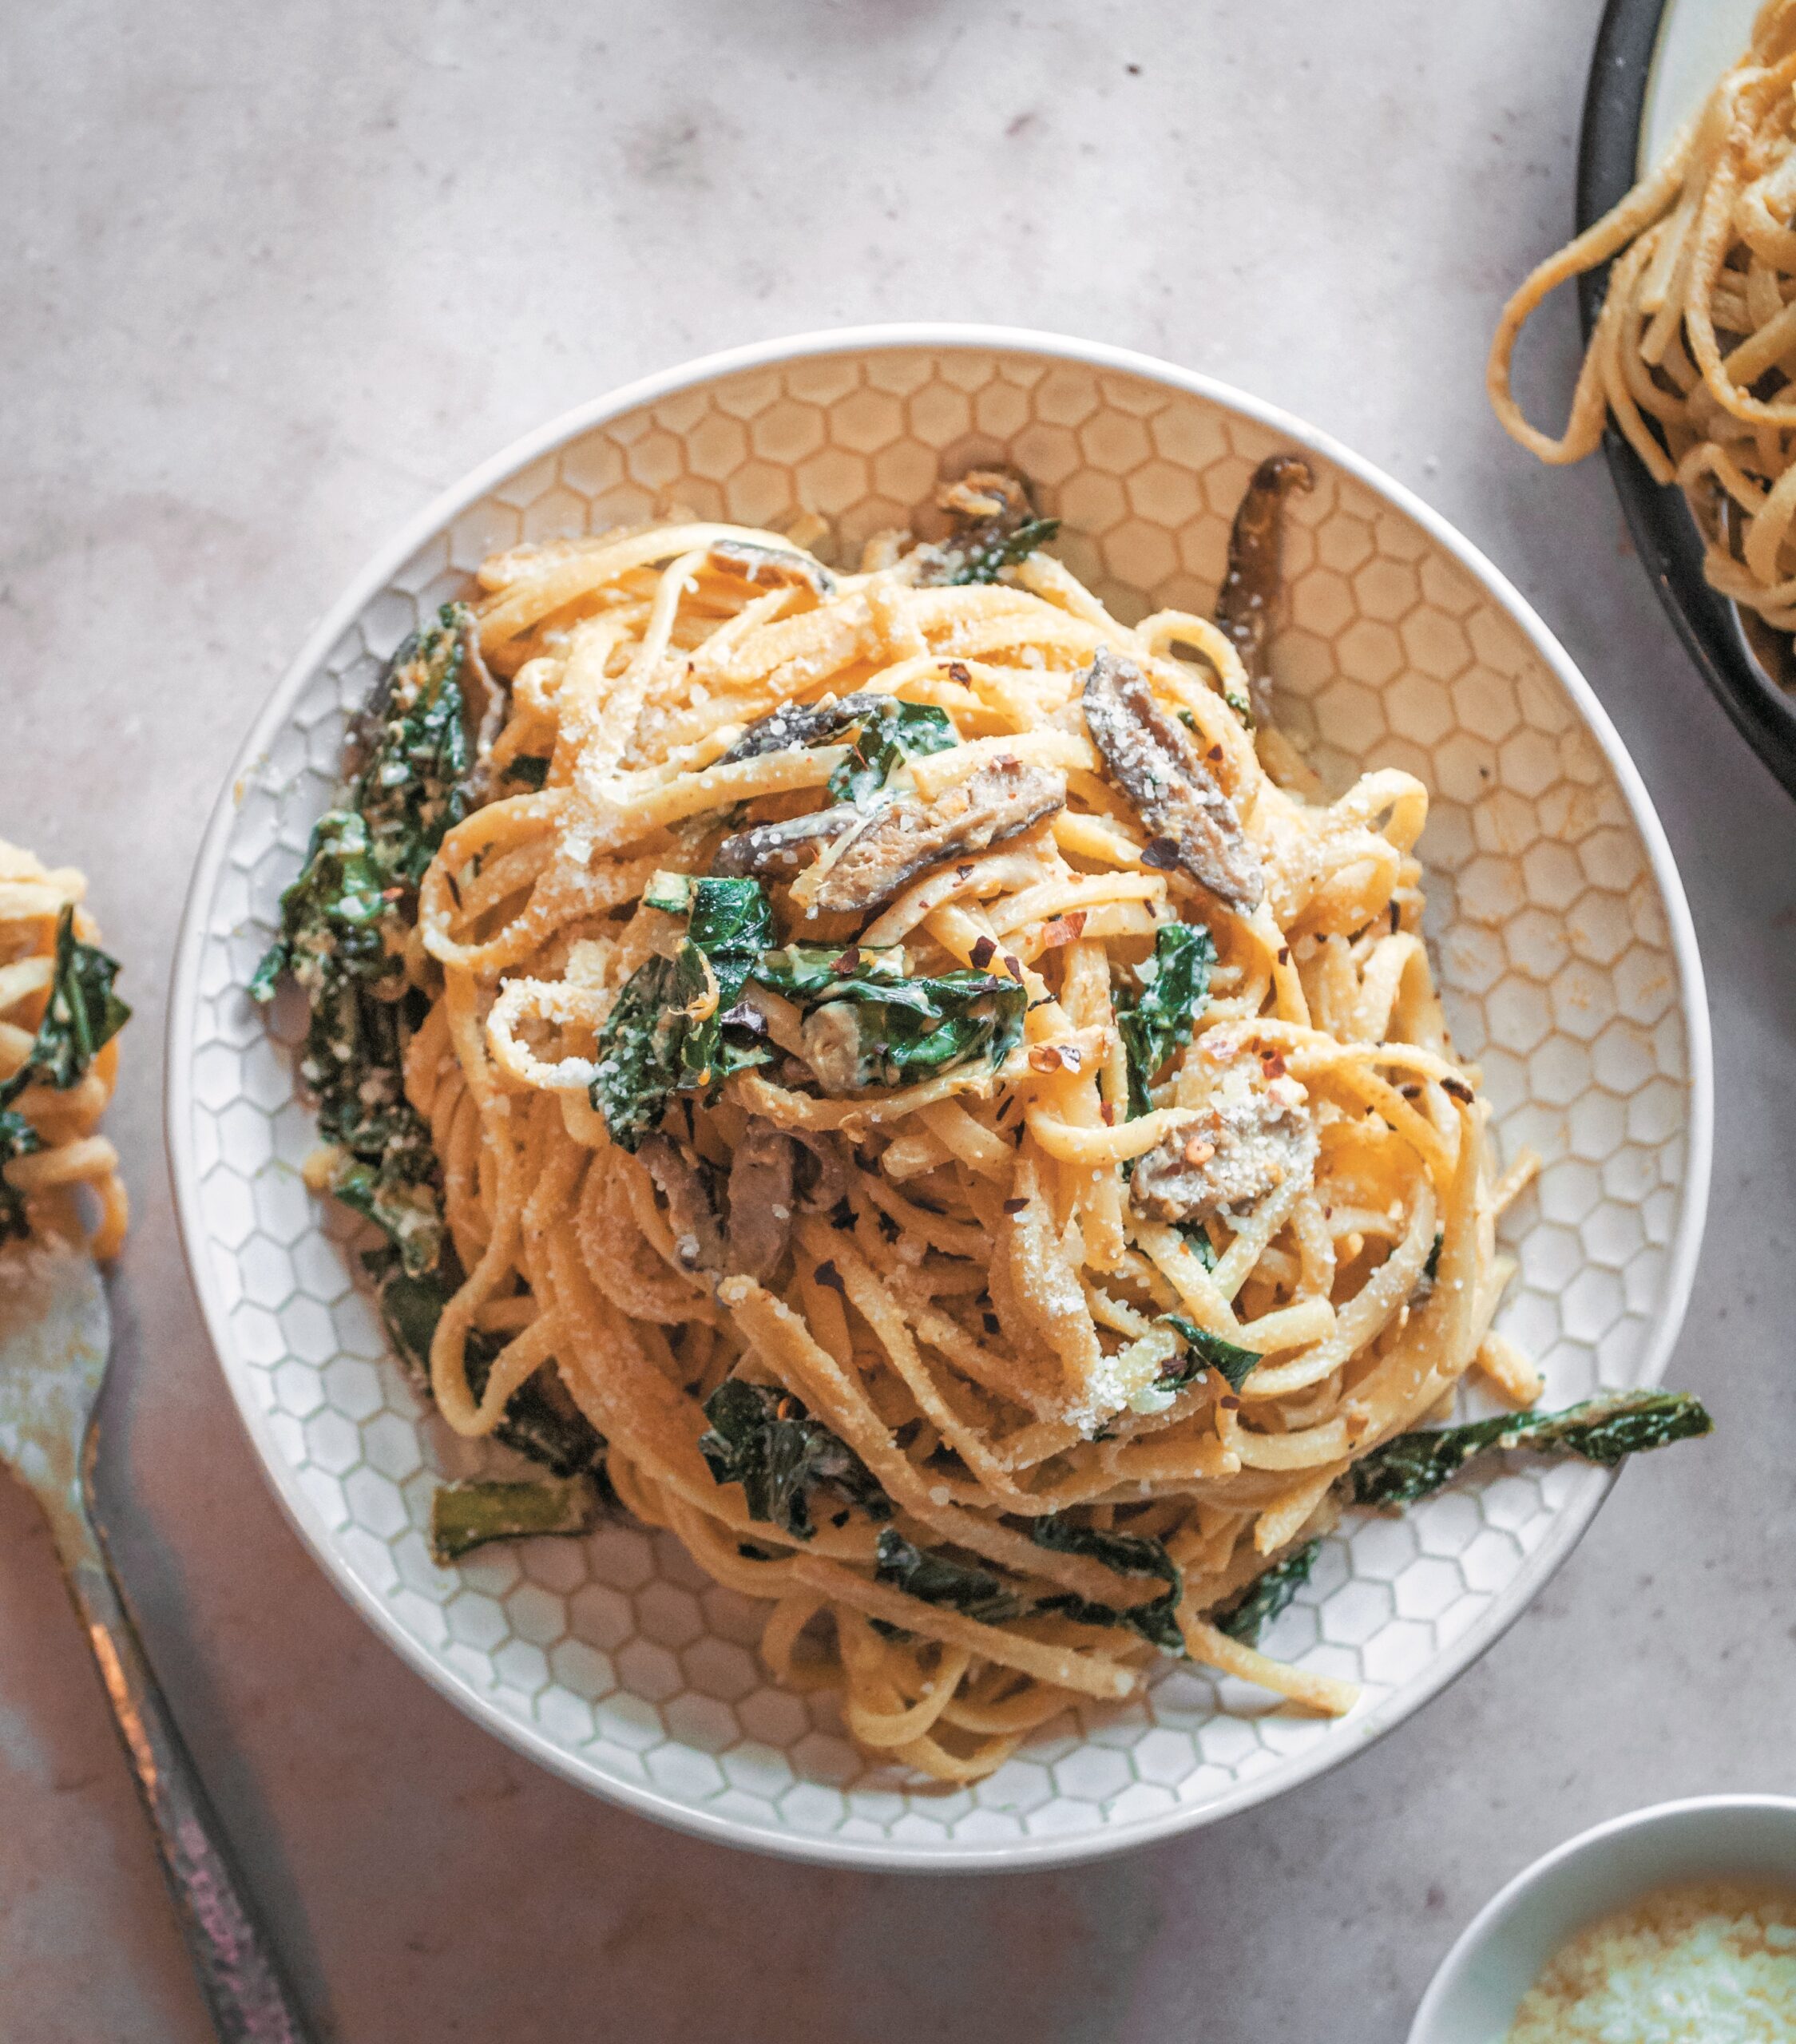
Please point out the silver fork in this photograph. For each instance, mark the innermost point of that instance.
(55, 1335)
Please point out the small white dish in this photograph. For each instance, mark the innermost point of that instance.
(1500, 1953)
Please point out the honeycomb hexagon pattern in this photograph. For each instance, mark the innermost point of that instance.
(614, 1658)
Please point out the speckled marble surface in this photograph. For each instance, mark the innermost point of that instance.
(274, 279)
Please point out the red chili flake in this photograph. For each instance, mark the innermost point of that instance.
(991, 1321)
(1109, 1114)
(1044, 1057)
(1014, 965)
(1216, 752)
(1459, 1090)
(826, 1274)
(958, 672)
(1272, 1064)
(1015, 1206)
(787, 1408)
(849, 961)
(983, 952)
(1161, 854)
(1284, 954)
(1063, 930)
(1229, 1402)
(963, 873)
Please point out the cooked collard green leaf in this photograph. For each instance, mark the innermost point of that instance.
(1128, 1554)
(1205, 1351)
(1601, 1430)
(344, 922)
(766, 1441)
(81, 1016)
(934, 1578)
(467, 1514)
(530, 770)
(1266, 1596)
(888, 1031)
(1165, 1015)
(18, 1138)
(889, 735)
(541, 1420)
(670, 1026)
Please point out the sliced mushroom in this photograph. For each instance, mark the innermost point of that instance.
(1256, 565)
(773, 568)
(760, 1223)
(802, 723)
(907, 836)
(1231, 1157)
(822, 1178)
(776, 851)
(1153, 760)
(989, 509)
(698, 1240)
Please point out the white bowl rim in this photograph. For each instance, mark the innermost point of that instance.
(1600, 1837)
(1050, 1850)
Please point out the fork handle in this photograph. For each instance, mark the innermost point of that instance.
(249, 2002)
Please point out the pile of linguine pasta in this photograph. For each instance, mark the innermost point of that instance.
(1078, 1348)
(58, 1058)
(1694, 356)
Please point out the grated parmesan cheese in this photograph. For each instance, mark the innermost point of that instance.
(1711, 1962)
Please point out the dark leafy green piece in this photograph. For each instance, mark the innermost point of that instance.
(932, 1579)
(896, 1030)
(1266, 1596)
(467, 1515)
(529, 770)
(1603, 1430)
(983, 556)
(888, 736)
(1205, 1351)
(541, 1420)
(766, 1441)
(1197, 1241)
(808, 972)
(343, 925)
(1165, 1015)
(81, 1016)
(669, 1028)
(1128, 1554)
(18, 1138)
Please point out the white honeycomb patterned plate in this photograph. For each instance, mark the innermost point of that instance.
(1565, 947)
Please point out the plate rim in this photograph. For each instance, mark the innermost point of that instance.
(1665, 536)
(645, 1799)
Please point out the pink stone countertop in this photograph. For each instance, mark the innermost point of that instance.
(272, 277)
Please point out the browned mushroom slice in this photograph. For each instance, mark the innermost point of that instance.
(1153, 760)
(1232, 1156)
(776, 851)
(995, 525)
(760, 1200)
(770, 568)
(823, 1179)
(1256, 565)
(802, 723)
(907, 837)
(698, 1240)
